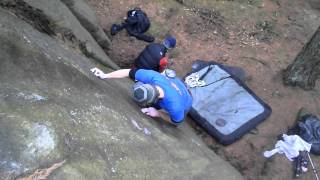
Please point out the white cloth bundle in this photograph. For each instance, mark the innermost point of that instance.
(290, 146)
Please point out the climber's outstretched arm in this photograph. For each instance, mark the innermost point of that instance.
(121, 73)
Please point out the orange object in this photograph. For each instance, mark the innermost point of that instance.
(163, 63)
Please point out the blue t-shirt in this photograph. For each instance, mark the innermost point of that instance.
(176, 101)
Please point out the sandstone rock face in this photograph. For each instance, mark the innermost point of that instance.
(63, 20)
(88, 20)
(52, 109)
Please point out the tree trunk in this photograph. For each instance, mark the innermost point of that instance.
(304, 71)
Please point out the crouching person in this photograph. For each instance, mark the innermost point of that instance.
(159, 95)
(155, 55)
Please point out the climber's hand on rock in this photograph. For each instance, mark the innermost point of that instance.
(97, 72)
(151, 111)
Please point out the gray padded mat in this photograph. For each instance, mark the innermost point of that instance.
(223, 102)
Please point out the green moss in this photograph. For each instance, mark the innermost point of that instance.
(257, 3)
(33, 16)
(302, 112)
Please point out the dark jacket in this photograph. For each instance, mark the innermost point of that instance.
(138, 22)
(150, 57)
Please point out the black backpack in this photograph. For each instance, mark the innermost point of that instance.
(138, 21)
(308, 128)
(136, 24)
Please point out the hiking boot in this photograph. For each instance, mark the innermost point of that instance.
(114, 29)
(148, 39)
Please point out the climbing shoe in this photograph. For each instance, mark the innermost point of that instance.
(115, 28)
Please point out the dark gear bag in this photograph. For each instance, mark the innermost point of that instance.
(136, 23)
(309, 130)
(138, 20)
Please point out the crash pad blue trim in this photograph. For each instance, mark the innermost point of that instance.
(231, 132)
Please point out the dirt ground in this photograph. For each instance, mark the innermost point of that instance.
(261, 36)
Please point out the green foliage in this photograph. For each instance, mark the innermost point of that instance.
(257, 3)
(265, 31)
